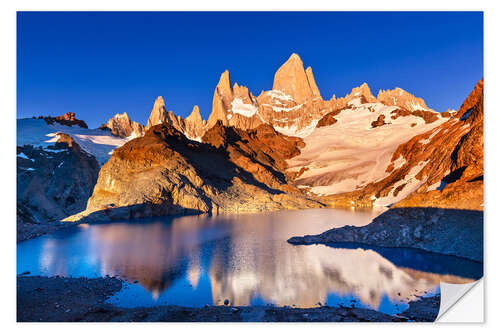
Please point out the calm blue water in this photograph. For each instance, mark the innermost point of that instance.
(198, 260)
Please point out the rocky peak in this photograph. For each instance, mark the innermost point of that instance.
(364, 92)
(158, 114)
(195, 116)
(121, 125)
(224, 85)
(472, 108)
(67, 119)
(401, 98)
(221, 103)
(292, 80)
(194, 126)
(312, 82)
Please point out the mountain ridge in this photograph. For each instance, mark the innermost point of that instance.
(356, 150)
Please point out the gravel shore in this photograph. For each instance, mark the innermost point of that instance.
(56, 299)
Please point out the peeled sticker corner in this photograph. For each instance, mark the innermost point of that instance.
(461, 303)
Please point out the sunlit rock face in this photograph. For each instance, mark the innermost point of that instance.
(121, 125)
(453, 177)
(292, 107)
(164, 173)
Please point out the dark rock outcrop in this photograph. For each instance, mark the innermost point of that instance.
(444, 231)
(328, 119)
(67, 119)
(379, 122)
(52, 183)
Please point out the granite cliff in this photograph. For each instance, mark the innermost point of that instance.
(163, 172)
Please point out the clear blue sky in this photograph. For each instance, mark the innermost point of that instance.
(99, 64)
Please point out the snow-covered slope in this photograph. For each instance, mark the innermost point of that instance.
(96, 142)
(352, 153)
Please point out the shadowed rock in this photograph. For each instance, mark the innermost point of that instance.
(445, 231)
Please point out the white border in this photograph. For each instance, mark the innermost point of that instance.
(8, 89)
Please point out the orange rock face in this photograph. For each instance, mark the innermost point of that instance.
(459, 171)
(292, 80)
(293, 107)
(158, 114)
(192, 127)
(401, 98)
(121, 125)
(165, 173)
(261, 151)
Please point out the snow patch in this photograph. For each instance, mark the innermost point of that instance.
(294, 131)
(283, 109)
(426, 141)
(247, 110)
(355, 102)
(22, 155)
(96, 142)
(411, 184)
(193, 138)
(399, 162)
(415, 106)
(278, 94)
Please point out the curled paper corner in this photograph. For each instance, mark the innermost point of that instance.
(461, 302)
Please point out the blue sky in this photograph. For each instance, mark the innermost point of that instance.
(103, 63)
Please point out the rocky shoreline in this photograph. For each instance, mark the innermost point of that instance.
(30, 229)
(58, 299)
(444, 231)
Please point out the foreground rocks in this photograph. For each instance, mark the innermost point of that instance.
(28, 229)
(42, 299)
(445, 231)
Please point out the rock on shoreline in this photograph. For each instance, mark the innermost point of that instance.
(57, 299)
(445, 231)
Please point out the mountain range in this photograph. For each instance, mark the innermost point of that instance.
(286, 148)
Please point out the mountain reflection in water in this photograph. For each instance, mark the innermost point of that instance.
(198, 260)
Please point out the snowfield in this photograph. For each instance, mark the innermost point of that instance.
(247, 110)
(350, 154)
(38, 133)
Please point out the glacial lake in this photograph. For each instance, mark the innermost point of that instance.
(245, 259)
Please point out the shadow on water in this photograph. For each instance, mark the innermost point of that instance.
(422, 260)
